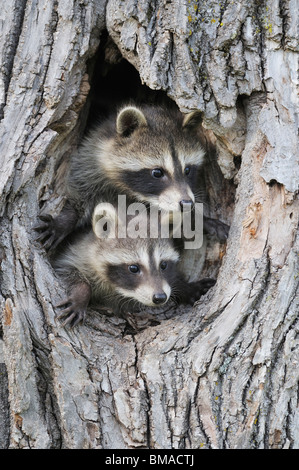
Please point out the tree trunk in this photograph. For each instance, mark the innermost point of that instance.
(225, 373)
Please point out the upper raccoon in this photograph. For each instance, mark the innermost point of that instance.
(150, 154)
(121, 273)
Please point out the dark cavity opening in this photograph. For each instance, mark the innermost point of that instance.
(115, 81)
(237, 161)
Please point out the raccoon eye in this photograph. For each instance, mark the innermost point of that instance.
(187, 170)
(163, 265)
(157, 173)
(133, 268)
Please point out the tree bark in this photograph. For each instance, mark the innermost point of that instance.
(223, 374)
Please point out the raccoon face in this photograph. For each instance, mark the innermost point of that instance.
(146, 276)
(168, 183)
(156, 156)
(142, 269)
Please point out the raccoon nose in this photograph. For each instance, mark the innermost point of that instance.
(188, 203)
(159, 298)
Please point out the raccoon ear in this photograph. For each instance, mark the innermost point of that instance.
(104, 220)
(192, 120)
(128, 120)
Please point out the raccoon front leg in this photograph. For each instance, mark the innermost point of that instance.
(190, 292)
(75, 306)
(52, 231)
(215, 227)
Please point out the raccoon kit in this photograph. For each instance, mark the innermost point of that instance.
(149, 153)
(122, 274)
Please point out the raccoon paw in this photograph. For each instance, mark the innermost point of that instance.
(199, 288)
(216, 227)
(51, 233)
(75, 306)
(72, 312)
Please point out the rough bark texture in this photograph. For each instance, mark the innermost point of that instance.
(224, 374)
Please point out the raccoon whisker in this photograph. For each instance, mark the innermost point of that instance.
(124, 301)
(200, 198)
(142, 307)
(205, 205)
(175, 292)
(111, 297)
(137, 306)
(127, 301)
(201, 194)
(174, 300)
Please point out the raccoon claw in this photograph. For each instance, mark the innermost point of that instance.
(45, 217)
(49, 236)
(48, 240)
(216, 227)
(75, 306)
(73, 315)
(44, 226)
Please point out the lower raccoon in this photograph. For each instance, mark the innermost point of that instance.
(151, 154)
(122, 274)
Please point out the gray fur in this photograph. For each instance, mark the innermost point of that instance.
(89, 258)
(96, 169)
